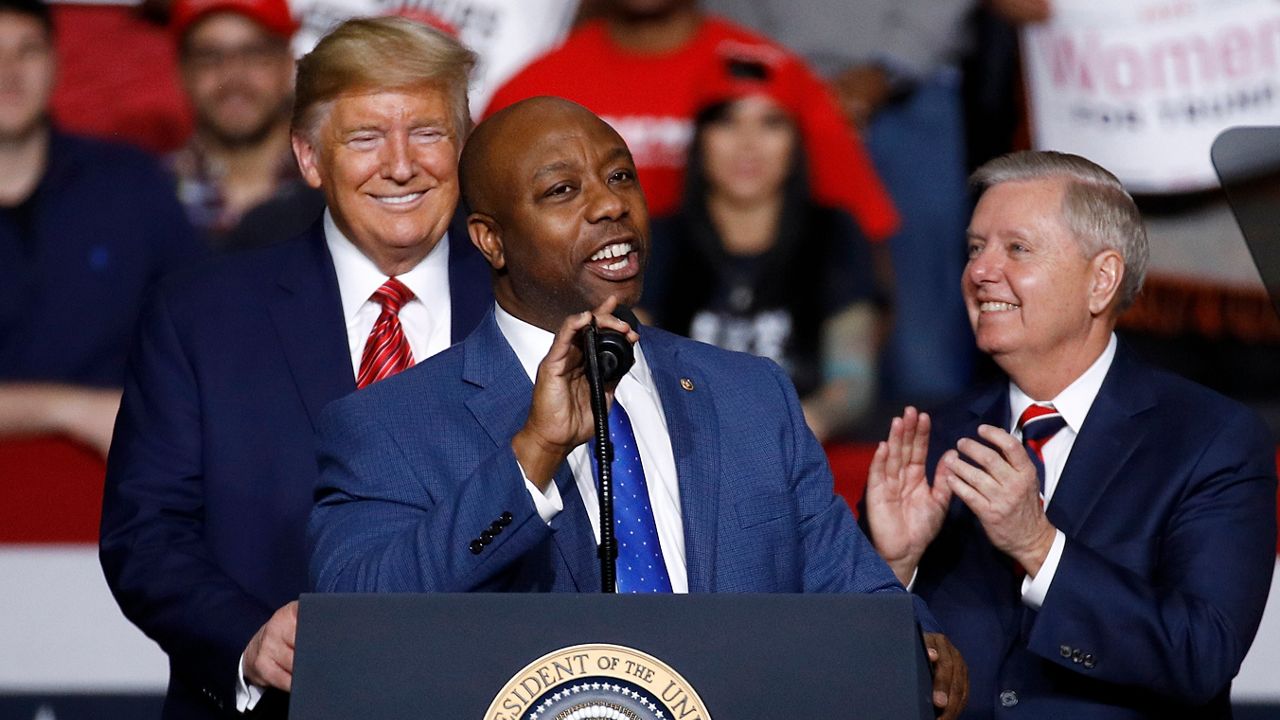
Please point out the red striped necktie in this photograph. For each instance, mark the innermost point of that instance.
(387, 350)
(1039, 423)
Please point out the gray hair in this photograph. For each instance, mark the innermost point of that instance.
(1096, 208)
(376, 54)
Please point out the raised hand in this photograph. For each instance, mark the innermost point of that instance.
(1000, 486)
(560, 416)
(904, 512)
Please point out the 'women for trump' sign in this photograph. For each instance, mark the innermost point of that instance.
(1144, 87)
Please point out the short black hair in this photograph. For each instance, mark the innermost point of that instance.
(37, 9)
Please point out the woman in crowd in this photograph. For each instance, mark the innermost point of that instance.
(751, 263)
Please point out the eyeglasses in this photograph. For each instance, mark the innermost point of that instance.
(252, 54)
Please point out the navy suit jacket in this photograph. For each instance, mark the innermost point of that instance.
(415, 468)
(1168, 505)
(213, 464)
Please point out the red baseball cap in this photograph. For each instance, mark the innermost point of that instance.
(743, 69)
(270, 14)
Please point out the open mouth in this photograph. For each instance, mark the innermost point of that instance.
(988, 307)
(615, 261)
(405, 199)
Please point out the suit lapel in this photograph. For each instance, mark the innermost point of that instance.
(689, 408)
(501, 407)
(1106, 442)
(307, 313)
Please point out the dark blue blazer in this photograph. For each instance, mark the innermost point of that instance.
(212, 468)
(1168, 505)
(416, 467)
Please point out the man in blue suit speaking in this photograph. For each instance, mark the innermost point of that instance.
(471, 471)
(211, 474)
(1099, 535)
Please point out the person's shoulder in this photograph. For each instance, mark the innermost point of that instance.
(1196, 406)
(429, 393)
(241, 276)
(738, 367)
(104, 157)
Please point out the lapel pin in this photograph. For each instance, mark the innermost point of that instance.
(687, 384)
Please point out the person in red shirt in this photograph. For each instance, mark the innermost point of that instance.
(640, 67)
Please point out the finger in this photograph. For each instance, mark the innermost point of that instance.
(971, 476)
(893, 464)
(1013, 451)
(982, 456)
(969, 496)
(876, 472)
(920, 446)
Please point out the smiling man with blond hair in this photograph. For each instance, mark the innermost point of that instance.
(209, 481)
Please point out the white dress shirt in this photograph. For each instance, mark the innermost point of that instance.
(638, 394)
(426, 320)
(1073, 404)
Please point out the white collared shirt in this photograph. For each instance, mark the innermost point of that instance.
(426, 318)
(639, 395)
(1073, 403)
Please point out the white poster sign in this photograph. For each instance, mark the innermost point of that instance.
(1143, 87)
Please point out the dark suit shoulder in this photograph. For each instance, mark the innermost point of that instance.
(240, 278)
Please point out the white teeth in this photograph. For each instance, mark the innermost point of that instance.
(997, 306)
(612, 251)
(618, 265)
(399, 199)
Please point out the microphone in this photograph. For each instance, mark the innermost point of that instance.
(607, 356)
(614, 355)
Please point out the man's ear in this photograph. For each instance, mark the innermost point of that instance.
(486, 235)
(1107, 274)
(305, 153)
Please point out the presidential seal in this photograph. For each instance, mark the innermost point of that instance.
(597, 682)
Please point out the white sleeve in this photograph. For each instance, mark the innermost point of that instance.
(247, 696)
(1035, 589)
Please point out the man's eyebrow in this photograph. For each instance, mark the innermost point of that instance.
(618, 153)
(551, 169)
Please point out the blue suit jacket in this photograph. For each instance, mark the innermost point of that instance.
(212, 469)
(415, 468)
(1168, 505)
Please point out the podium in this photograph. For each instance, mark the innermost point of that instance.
(569, 656)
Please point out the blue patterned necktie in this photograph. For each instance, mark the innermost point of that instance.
(1039, 423)
(640, 564)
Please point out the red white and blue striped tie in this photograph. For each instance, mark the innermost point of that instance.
(1039, 423)
(387, 350)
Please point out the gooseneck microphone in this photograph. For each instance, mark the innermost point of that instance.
(608, 356)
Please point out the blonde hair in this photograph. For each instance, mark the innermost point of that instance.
(1096, 208)
(383, 53)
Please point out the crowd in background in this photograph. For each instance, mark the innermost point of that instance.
(806, 162)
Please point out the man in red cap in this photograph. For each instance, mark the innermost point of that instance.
(237, 71)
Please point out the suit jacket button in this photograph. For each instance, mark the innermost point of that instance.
(486, 537)
(1008, 698)
(506, 519)
(1089, 662)
(1077, 656)
(1064, 651)
(496, 527)
(476, 547)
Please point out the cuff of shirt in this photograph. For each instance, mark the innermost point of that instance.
(247, 696)
(1034, 589)
(548, 503)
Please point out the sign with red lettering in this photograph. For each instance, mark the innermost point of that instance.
(1144, 87)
